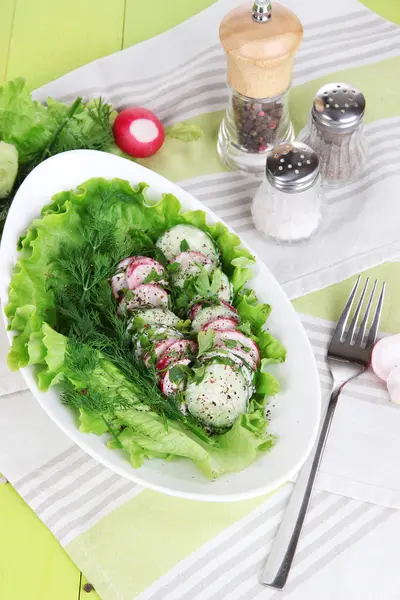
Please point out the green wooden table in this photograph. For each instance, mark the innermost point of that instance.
(41, 40)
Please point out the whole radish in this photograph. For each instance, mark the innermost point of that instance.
(138, 132)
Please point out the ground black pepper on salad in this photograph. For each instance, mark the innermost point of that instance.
(142, 316)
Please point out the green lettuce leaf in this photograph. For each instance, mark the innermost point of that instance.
(23, 122)
(32, 306)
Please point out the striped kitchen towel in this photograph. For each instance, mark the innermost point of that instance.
(130, 541)
(181, 75)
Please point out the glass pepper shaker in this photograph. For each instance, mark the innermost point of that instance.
(335, 131)
(260, 45)
(287, 205)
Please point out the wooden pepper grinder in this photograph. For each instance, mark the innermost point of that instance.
(260, 44)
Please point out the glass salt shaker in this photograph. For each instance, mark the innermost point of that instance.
(260, 45)
(287, 205)
(335, 131)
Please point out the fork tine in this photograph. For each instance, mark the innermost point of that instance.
(352, 329)
(363, 326)
(373, 332)
(341, 325)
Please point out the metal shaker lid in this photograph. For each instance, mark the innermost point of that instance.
(339, 107)
(261, 11)
(292, 167)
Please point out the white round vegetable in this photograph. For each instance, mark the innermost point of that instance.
(386, 356)
(8, 168)
(139, 271)
(197, 239)
(244, 345)
(169, 388)
(220, 398)
(147, 295)
(191, 263)
(393, 385)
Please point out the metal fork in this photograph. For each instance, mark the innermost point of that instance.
(349, 354)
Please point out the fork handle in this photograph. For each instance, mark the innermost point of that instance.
(280, 559)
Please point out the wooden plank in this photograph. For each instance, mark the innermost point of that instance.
(52, 37)
(33, 566)
(6, 22)
(143, 20)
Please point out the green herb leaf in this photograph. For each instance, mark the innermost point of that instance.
(205, 340)
(216, 281)
(230, 343)
(202, 283)
(185, 132)
(184, 246)
(179, 373)
(198, 374)
(173, 267)
(153, 277)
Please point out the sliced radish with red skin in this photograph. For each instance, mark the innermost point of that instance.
(190, 258)
(176, 351)
(244, 345)
(167, 387)
(229, 306)
(158, 351)
(220, 324)
(125, 262)
(386, 356)
(129, 260)
(138, 271)
(138, 132)
(195, 309)
(393, 385)
(118, 283)
(147, 295)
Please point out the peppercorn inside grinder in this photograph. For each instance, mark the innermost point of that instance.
(260, 44)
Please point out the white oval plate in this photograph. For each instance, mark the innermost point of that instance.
(295, 411)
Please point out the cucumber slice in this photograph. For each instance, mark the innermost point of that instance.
(210, 312)
(156, 316)
(225, 291)
(197, 239)
(227, 355)
(8, 168)
(220, 398)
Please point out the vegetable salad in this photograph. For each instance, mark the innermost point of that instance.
(143, 317)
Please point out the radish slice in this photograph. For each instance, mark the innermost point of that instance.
(386, 356)
(194, 310)
(147, 295)
(192, 258)
(220, 323)
(159, 349)
(227, 305)
(118, 283)
(129, 260)
(176, 351)
(167, 387)
(125, 262)
(138, 271)
(138, 132)
(393, 385)
(245, 346)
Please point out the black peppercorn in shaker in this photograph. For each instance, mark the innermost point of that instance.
(335, 131)
(260, 45)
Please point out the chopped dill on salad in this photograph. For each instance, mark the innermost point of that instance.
(142, 316)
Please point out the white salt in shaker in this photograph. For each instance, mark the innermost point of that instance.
(287, 205)
(335, 131)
